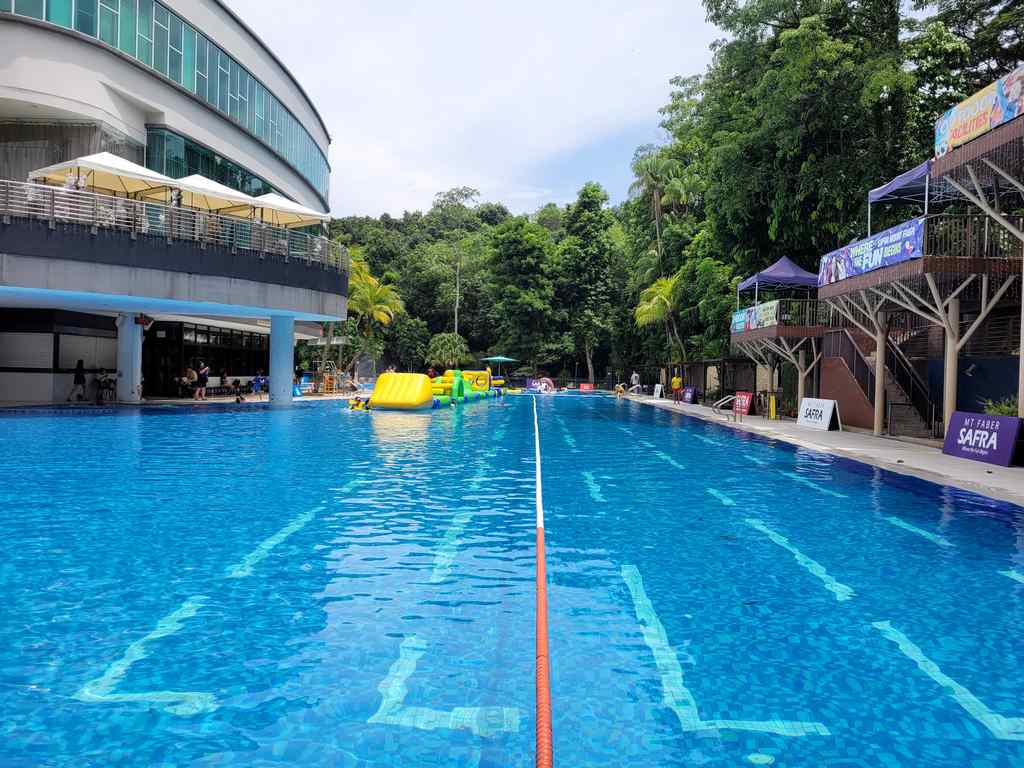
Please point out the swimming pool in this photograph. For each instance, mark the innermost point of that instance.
(242, 586)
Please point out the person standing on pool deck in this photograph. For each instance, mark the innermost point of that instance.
(204, 376)
(78, 387)
(634, 382)
(677, 389)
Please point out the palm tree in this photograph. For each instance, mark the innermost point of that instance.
(657, 305)
(447, 350)
(653, 172)
(371, 304)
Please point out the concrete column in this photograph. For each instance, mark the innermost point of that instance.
(881, 336)
(282, 359)
(129, 359)
(801, 375)
(949, 381)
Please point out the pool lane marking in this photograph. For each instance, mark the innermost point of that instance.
(675, 695)
(1007, 728)
(101, 689)
(544, 754)
(934, 538)
(569, 439)
(481, 721)
(707, 440)
(755, 460)
(811, 484)
(726, 501)
(841, 591)
(665, 457)
(446, 553)
(594, 487)
(1015, 575)
(245, 566)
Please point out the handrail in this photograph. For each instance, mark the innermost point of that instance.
(910, 381)
(841, 344)
(778, 312)
(715, 408)
(60, 205)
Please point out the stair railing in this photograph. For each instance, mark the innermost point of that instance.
(842, 345)
(913, 386)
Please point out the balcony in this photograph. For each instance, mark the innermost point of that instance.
(781, 318)
(97, 213)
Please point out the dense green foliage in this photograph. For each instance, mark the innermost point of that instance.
(806, 105)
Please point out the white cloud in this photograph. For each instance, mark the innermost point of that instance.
(423, 96)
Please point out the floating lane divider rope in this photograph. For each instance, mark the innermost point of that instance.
(545, 751)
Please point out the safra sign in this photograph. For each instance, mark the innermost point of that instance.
(819, 414)
(980, 437)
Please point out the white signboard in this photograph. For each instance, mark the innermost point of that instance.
(819, 414)
(658, 390)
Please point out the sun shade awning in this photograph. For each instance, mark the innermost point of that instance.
(200, 192)
(104, 171)
(910, 186)
(282, 212)
(784, 273)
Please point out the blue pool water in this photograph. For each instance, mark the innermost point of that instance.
(324, 588)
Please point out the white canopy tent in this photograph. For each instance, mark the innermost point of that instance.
(282, 212)
(104, 171)
(209, 195)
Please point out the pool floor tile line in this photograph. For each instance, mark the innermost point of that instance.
(100, 690)
(726, 501)
(708, 440)
(934, 538)
(841, 591)
(1013, 574)
(816, 486)
(593, 487)
(666, 458)
(1006, 728)
(484, 722)
(675, 695)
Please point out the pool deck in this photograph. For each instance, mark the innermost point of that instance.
(919, 458)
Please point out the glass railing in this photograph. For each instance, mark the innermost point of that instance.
(58, 205)
(784, 312)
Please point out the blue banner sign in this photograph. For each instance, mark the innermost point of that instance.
(889, 247)
(981, 437)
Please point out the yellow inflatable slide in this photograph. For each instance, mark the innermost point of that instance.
(402, 391)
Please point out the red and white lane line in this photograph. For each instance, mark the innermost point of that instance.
(545, 752)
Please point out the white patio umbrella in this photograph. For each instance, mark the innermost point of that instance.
(282, 212)
(104, 171)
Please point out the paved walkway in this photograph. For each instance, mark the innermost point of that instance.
(919, 458)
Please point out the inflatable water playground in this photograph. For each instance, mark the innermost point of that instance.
(416, 391)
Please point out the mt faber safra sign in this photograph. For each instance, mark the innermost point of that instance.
(981, 437)
(993, 105)
(888, 247)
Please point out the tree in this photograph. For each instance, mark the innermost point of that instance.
(521, 287)
(372, 305)
(447, 350)
(653, 173)
(406, 341)
(657, 305)
(584, 259)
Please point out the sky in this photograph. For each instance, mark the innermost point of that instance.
(525, 101)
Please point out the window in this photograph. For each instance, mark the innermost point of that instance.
(201, 67)
(146, 32)
(85, 17)
(109, 12)
(188, 58)
(174, 51)
(32, 8)
(127, 34)
(161, 38)
(59, 12)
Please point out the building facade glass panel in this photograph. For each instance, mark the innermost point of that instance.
(127, 35)
(85, 17)
(177, 156)
(163, 41)
(31, 8)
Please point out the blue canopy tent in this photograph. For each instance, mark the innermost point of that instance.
(784, 273)
(910, 187)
